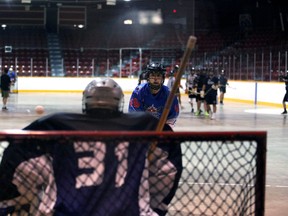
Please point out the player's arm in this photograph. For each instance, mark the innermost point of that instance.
(173, 113)
(165, 174)
(28, 182)
(285, 78)
(202, 91)
(215, 86)
(135, 103)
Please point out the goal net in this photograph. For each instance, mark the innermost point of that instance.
(108, 173)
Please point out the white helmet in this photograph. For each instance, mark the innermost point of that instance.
(104, 94)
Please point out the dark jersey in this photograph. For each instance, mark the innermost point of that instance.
(223, 80)
(285, 79)
(210, 92)
(200, 81)
(5, 82)
(83, 178)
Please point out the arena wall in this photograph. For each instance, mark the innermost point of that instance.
(261, 93)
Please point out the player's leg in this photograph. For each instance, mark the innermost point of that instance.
(207, 102)
(221, 97)
(198, 103)
(212, 115)
(5, 95)
(222, 93)
(214, 104)
(285, 99)
(191, 98)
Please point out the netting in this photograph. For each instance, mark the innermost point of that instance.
(108, 173)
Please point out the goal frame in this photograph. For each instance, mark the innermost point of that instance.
(258, 136)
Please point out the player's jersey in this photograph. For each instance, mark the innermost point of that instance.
(223, 80)
(142, 100)
(73, 184)
(200, 81)
(209, 82)
(191, 81)
(170, 82)
(12, 76)
(285, 79)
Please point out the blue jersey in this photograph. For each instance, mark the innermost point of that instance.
(85, 178)
(12, 75)
(143, 100)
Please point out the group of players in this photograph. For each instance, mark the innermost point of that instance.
(202, 86)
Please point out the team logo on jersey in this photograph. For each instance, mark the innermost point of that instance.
(134, 103)
(153, 110)
(176, 108)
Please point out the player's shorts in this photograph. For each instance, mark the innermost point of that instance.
(211, 97)
(285, 99)
(198, 97)
(5, 94)
(222, 89)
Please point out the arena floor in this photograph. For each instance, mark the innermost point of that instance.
(230, 117)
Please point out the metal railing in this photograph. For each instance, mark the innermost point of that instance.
(258, 64)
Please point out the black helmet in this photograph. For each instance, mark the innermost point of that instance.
(155, 68)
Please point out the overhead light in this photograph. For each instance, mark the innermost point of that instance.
(26, 1)
(110, 2)
(128, 22)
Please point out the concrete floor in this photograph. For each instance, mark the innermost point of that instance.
(230, 117)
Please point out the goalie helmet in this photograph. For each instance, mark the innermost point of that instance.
(156, 68)
(102, 94)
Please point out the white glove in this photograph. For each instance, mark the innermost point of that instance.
(202, 94)
(214, 87)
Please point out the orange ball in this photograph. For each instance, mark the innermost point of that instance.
(39, 109)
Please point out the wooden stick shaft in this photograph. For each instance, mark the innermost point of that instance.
(190, 45)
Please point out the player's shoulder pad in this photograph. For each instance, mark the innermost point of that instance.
(141, 88)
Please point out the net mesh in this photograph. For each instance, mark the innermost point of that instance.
(108, 173)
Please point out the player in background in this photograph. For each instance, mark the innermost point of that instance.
(211, 87)
(223, 82)
(200, 81)
(5, 88)
(152, 96)
(142, 77)
(284, 78)
(171, 81)
(13, 78)
(191, 87)
(81, 178)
